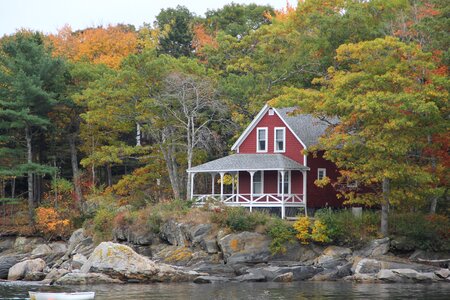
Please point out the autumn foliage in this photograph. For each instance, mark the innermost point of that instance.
(50, 223)
(96, 45)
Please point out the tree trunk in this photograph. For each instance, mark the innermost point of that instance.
(433, 205)
(109, 174)
(138, 134)
(30, 177)
(75, 171)
(13, 188)
(385, 207)
(171, 169)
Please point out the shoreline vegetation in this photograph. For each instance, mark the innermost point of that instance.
(172, 242)
(96, 138)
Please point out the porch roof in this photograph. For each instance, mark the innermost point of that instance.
(249, 162)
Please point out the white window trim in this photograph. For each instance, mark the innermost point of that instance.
(275, 140)
(288, 192)
(324, 173)
(262, 184)
(353, 184)
(266, 130)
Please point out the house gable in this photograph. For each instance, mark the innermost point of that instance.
(247, 142)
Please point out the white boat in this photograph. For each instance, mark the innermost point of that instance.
(62, 296)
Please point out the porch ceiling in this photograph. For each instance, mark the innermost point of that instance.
(249, 162)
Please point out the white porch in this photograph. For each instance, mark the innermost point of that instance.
(253, 191)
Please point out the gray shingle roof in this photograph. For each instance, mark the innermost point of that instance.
(305, 126)
(249, 162)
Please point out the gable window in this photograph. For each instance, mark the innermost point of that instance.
(261, 139)
(321, 173)
(258, 183)
(280, 139)
(287, 181)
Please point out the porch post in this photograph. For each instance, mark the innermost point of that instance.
(304, 192)
(192, 185)
(233, 175)
(283, 211)
(237, 187)
(221, 185)
(213, 177)
(251, 189)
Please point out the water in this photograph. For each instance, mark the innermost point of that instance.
(262, 290)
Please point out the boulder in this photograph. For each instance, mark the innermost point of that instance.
(375, 248)
(209, 245)
(333, 274)
(136, 237)
(6, 243)
(402, 244)
(387, 275)
(442, 273)
(245, 247)
(58, 247)
(20, 270)
(298, 272)
(366, 266)
(85, 278)
(211, 279)
(332, 257)
(286, 277)
(121, 262)
(54, 275)
(250, 277)
(298, 252)
(6, 262)
(78, 260)
(174, 233)
(214, 269)
(198, 232)
(25, 244)
(41, 250)
(34, 276)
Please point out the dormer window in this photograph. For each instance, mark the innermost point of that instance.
(261, 139)
(280, 139)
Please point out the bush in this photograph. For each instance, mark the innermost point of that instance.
(344, 228)
(307, 231)
(281, 233)
(103, 224)
(427, 232)
(239, 218)
(50, 223)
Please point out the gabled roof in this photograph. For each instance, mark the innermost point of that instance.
(249, 162)
(306, 128)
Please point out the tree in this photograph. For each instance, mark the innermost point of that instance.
(100, 45)
(191, 101)
(31, 81)
(238, 20)
(175, 26)
(388, 102)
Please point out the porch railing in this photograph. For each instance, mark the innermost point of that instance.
(262, 200)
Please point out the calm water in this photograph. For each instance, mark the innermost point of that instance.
(264, 290)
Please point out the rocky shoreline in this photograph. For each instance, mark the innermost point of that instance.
(203, 254)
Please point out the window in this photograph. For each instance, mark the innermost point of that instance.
(280, 139)
(287, 181)
(258, 183)
(261, 139)
(352, 184)
(271, 112)
(321, 173)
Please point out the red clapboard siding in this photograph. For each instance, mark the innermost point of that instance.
(317, 196)
(293, 146)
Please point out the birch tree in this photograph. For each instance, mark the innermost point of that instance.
(192, 103)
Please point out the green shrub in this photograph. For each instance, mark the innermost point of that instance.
(423, 231)
(281, 232)
(344, 228)
(103, 224)
(239, 218)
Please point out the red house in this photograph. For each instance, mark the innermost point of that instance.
(269, 168)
